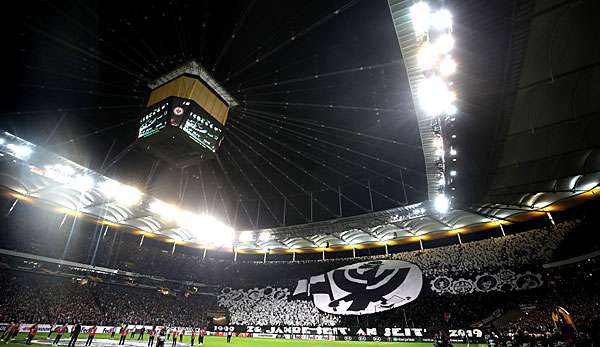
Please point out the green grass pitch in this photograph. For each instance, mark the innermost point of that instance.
(216, 341)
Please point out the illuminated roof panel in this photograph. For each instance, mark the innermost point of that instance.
(33, 172)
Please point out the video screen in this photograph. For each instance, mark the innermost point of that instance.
(186, 115)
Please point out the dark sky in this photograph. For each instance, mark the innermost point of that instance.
(76, 75)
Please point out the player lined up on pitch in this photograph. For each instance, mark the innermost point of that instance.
(163, 333)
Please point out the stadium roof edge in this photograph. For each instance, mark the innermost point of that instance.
(25, 171)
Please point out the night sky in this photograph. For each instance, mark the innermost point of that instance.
(325, 101)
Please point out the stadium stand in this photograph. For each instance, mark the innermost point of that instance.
(256, 293)
(403, 171)
(46, 298)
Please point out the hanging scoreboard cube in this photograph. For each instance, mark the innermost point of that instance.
(185, 117)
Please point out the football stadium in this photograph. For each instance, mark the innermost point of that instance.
(300, 173)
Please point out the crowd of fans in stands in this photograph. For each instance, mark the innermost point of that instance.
(52, 299)
(280, 312)
(516, 251)
(511, 251)
(39, 298)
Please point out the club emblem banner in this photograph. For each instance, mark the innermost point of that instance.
(502, 281)
(363, 288)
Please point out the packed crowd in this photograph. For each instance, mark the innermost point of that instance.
(573, 288)
(291, 313)
(53, 299)
(39, 298)
(509, 252)
(271, 306)
(118, 250)
(516, 251)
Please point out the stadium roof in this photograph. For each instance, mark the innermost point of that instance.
(325, 136)
(34, 173)
(324, 110)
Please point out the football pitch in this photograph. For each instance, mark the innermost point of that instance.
(102, 340)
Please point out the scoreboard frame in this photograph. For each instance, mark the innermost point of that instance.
(179, 131)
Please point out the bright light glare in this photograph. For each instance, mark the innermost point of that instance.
(452, 95)
(166, 211)
(444, 43)
(441, 20)
(447, 66)
(421, 17)
(207, 229)
(427, 57)
(246, 236)
(109, 188)
(439, 152)
(21, 152)
(82, 183)
(59, 173)
(264, 236)
(188, 220)
(434, 96)
(452, 151)
(66, 175)
(452, 173)
(441, 203)
(128, 196)
(121, 193)
(451, 111)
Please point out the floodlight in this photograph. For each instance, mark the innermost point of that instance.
(453, 173)
(109, 188)
(188, 221)
(447, 66)
(441, 203)
(434, 96)
(21, 152)
(128, 196)
(206, 228)
(444, 43)
(421, 17)
(82, 183)
(166, 211)
(451, 111)
(246, 236)
(452, 151)
(441, 20)
(264, 236)
(121, 193)
(428, 56)
(215, 232)
(59, 173)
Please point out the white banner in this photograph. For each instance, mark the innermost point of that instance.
(364, 288)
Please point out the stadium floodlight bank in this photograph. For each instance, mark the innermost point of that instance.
(31, 173)
(425, 36)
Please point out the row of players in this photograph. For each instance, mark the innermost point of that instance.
(162, 333)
